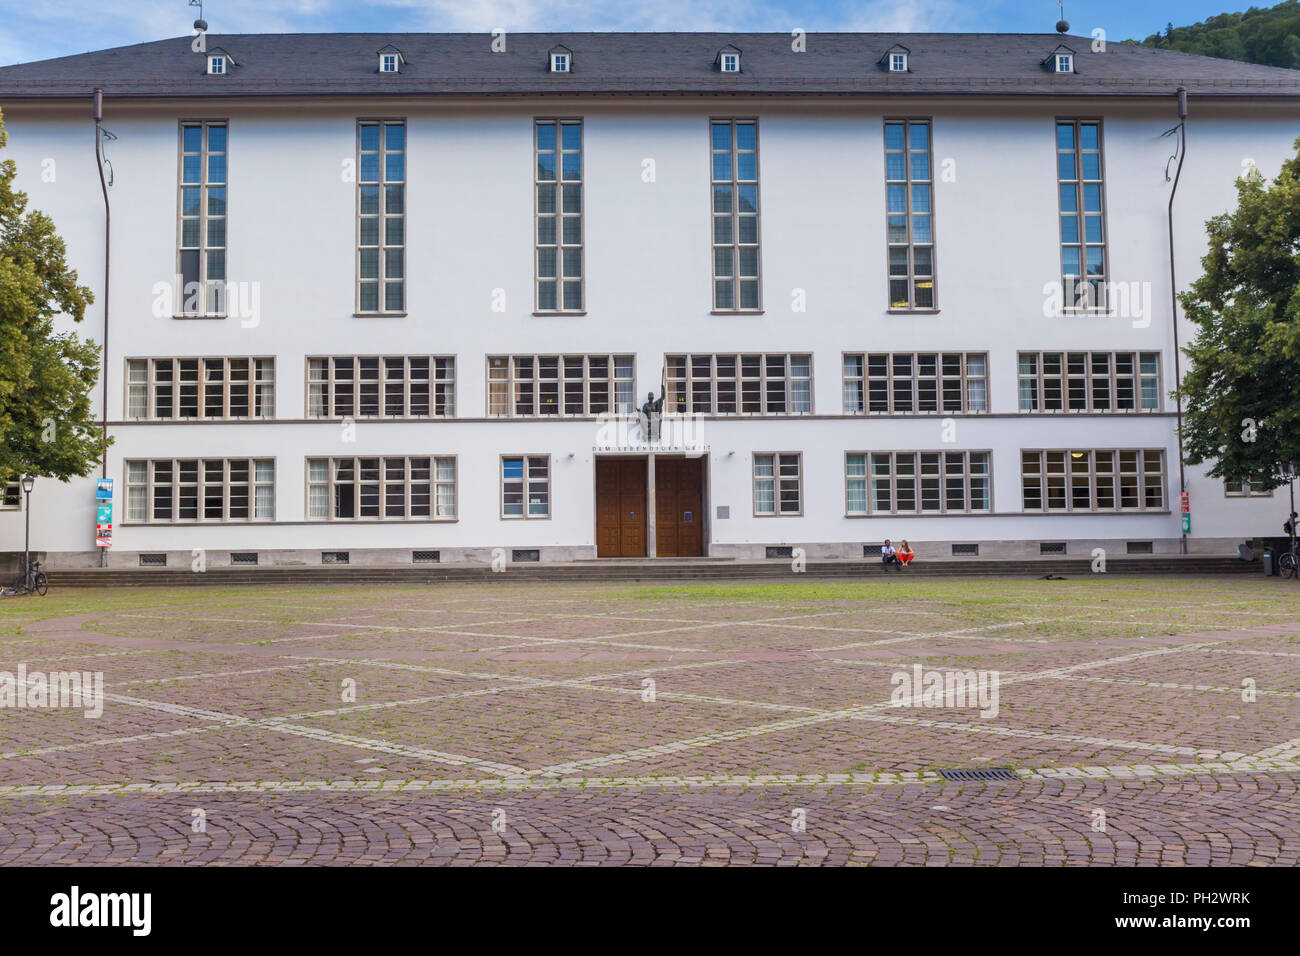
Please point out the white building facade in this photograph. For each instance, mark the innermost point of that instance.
(417, 323)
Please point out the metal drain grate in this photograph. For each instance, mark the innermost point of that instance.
(985, 773)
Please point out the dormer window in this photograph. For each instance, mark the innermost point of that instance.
(729, 63)
(895, 59)
(1063, 63)
(390, 59)
(560, 62)
(217, 64)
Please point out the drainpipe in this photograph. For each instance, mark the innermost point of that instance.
(103, 365)
(1173, 297)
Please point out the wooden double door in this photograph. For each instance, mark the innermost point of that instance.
(622, 504)
(620, 507)
(679, 507)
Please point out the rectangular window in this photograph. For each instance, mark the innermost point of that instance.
(1125, 479)
(171, 490)
(11, 496)
(525, 386)
(381, 386)
(1089, 381)
(402, 488)
(909, 214)
(760, 384)
(917, 482)
(1246, 489)
(201, 257)
(200, 388)
(909, 383)
(526, 486)
(734, 154)
(559, 215)
(777, 484)
(381, 216)
(1082, 225)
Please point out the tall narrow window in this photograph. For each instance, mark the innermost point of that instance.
(735, 215)
(201, 260)
(1083, 239)
(381, 226)
(909, 214)
(559, 215)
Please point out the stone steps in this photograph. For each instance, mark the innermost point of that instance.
(649, 571)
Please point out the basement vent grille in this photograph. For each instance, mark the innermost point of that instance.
(243, 557)
(153, 560)
(984, 773)
(1051, 547)
(965, 550)
(1139, 547)
(334, 557)
(525, 554)
(425, 557)
(780, 551)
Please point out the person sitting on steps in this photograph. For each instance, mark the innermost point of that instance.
(888, 557)
(905, 554)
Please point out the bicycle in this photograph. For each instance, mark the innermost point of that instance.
(1289, 564)
(35, 581)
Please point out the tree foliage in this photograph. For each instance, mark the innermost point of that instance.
(46, 427)
(1266, 35)
(1243, 388)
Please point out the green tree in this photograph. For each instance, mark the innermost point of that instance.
(1267, 35)
(1242, 391)
(46, 427)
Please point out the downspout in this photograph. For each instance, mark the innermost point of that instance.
(1173, 299)
(103, 365)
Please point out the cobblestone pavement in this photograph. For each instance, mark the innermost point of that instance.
(1145, 722)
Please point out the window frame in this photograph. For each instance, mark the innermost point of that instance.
(776, 479)
(382, 217)
(679, 393)
(11, 495)
(558, 58)
(254, 383)
(330, 382)
(382, 484)
(512, 382)
(526, 486)
(151, 487)
(1116, 476)
(966, 378)
(209, 307)
(967, 477)
(559, 216)
(911, 245)
(1069, 294)
(1040, 379)
(1244, 489)
(735, 217)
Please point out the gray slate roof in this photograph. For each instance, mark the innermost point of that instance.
(437, 64)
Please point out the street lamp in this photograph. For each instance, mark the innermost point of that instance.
(27, 482)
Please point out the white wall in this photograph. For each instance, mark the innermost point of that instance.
(470, 223)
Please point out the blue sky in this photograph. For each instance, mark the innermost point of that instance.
(37, 29)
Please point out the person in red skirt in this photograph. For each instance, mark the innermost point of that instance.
(905, 553)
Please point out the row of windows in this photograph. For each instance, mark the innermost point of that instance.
(559, 245)
(521, 386)
(408, 487)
